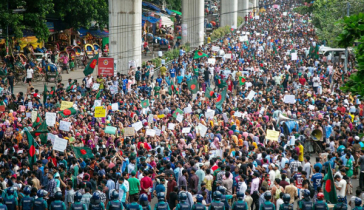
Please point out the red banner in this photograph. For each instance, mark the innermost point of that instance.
(106, 67)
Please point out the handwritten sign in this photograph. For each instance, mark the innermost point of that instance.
(95, 86)
(64, 126)
(202, 129)
(171, 126)
(251, 95)
(137, 126)
(66, 105)
(289, 99)
(179, 118)
(110, 130)
(187, 110)
(272, 135)
(50, 118)
(186, 130)
(34, 115)
(150, 132)
(129, 131)
(114, 106)
(100, 111)
(60, 144)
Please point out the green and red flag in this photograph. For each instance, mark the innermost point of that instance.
(329, 187)
(38, 121)
(72, 86)
(31, 153)
(221, 83)
(220, 99)
(193, 85)
(172, 88)
(91, 65)
(178, 111)
(53, 92)
(145, 103)
(83, 152)
(275, 52)
(199, 54)
(242, 80)
(67, 112)
(98, 94)
(45, 93)
(209, 93)
(317, 54)
(42, 132)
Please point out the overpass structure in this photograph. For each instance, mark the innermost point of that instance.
(125, 26)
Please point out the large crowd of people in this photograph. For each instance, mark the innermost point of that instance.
(266, 126)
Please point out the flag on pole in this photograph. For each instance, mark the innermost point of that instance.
(91, 65)
(37, 121)
(193, 85)
(83, 152)
(199, 54)
(98, 94)
(67, 112)
(145, 103)
(242, 80)
(329, 187)
(31, 153)
(209, 93)
(72, 86)
(220, 99)
(45, 93)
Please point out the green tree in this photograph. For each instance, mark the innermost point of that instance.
(353, 32)
(326, 16)
(25, 14)
(80, 13)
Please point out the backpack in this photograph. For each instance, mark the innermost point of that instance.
(278, 192)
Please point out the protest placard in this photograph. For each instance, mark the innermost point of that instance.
(50, 118)
(66, 105)
(171, 126)
(272, 135)
(179, 118)
(110, 130)
(251, 95)
(60, 144)
(137, 126)
(114, 106)
(95, 86)
(150, 132)
(202, 130)
(34, 115)
(187, 110)
(186, 130)
(64, 126)
(129, 131)
(209, 114)
(289, 99)
(100, 111)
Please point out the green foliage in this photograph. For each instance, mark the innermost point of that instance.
(240, 20)
(80, 13)
(220, 32)
(327, 16)
(34, 17)
(353, 31)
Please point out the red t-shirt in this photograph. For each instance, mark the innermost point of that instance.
(302, 81)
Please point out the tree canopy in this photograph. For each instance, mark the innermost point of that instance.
(31, 14)
(353, 33)
(327, 16)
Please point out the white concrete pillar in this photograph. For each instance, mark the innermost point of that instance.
(244, 9)
(193, 17)
(125, 33)
(229, 13)
(254, 6)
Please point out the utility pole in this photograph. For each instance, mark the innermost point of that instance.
(346, 49)
(7, 32)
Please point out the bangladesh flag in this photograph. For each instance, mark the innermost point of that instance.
(42, 132)
(209, 93)
(329, 187)
(145, 103)
(53, 92)
(220, 99)
(275, 52)
(193, 85)
(91, 65)
(199, 54)
(83, 152)
(37, 121)
(242, 80)
(221, 83)
(316, 55)
(67, 112)
(31, 143)
(98, 94)
(172, 88)
(45, 93)
(72, 86)
(179, 111)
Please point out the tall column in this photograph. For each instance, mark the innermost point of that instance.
(125, 33)
(229, 13)
(243, 6)
(193, 16)
(254, 5)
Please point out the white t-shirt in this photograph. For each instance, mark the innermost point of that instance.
(30, 73)
(342, 185)
(316, 81)
(279, 203)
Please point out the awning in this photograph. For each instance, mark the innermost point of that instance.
(177, 12)
(97, 33)
(151, 6)
(170, 12)
(150, 19)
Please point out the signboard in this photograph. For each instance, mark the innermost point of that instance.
(106, 67)
(100, 111)
(66, 105)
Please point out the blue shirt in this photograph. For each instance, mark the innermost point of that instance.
(172, 71)
(125, 82)
(159, 80)
(179, 79)
(316, 180)
(318, 165)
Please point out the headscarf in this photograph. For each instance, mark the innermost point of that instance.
(217, 142)
(182, 144)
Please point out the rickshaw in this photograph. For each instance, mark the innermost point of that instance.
(96, 48)
(89, 50)
(150, 37)
(52, 73)
(63, 59)
(79, 54)
(72, 60)
(163, 44)
(69, 48)
(156, 41)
